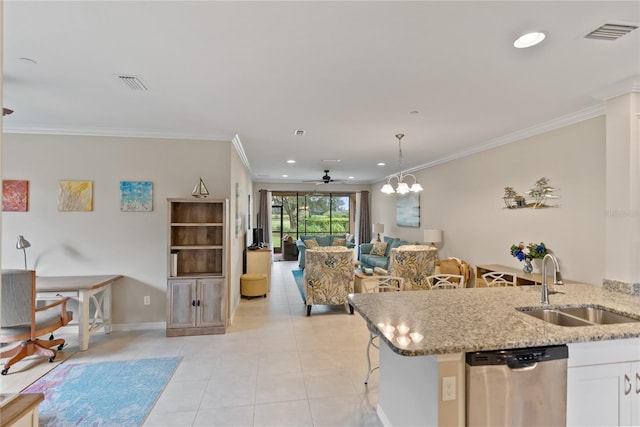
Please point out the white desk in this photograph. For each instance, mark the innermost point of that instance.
(88, 291)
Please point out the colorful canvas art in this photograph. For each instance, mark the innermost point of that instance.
(75, 196)
(15, 195)
(136, 196)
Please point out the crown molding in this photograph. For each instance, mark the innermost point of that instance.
(237, 144)
(623, 87)
(120, 133)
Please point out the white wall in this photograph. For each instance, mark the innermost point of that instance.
(106, 241)
(239, 215)
(464, 198)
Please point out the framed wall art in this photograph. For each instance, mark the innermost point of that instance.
(75, 196)
(15, 195)
(136, 196)
(408, 210)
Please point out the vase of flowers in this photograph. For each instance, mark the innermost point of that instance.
(527, 253)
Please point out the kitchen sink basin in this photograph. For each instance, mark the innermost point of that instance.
(599, 315)
(556, 317)
(586, 315)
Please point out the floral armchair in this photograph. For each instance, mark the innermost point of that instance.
(328, 276)
(414, 263)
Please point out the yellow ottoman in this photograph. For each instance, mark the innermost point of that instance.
(253, 285)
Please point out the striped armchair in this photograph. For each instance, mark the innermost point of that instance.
(328, 276)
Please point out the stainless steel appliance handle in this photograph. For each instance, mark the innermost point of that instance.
(526, 368)
(627, 382)
(638, 382)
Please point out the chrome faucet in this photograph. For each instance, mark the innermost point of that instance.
(557, 278)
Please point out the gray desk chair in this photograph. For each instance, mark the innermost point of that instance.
(382, 284)
(22, 321)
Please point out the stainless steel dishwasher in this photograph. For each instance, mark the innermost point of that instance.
(518, 387)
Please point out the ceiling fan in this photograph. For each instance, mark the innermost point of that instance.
(326, 179)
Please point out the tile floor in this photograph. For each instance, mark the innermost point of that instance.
(273, 367)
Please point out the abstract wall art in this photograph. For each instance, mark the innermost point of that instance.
(15, 195)
(408, 210)
(136, 196)
(75, 196)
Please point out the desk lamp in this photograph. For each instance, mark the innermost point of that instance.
(23, 244)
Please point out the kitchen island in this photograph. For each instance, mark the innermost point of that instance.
(444, 325)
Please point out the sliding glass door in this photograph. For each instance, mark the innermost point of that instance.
(295, 214)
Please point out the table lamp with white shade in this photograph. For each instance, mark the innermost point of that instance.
(378, 228)
(433, 236)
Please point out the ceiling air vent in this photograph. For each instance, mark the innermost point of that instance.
(610, 31)
(132, 82)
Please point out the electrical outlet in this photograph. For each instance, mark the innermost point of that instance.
(448, 388)
(147, 300)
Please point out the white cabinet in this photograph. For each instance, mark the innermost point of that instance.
(196, 306)
(603, 383)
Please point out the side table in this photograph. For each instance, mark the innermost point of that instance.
(362, 283)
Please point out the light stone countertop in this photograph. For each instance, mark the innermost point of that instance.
(476, 319)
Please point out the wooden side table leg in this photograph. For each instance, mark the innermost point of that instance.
(83, 321)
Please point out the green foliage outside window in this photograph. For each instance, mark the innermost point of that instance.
(311, 214)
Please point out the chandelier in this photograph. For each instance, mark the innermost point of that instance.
(402, 187)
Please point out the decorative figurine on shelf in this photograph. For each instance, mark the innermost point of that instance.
(200, 190)
(541, 192)
(509, 197)
(538, 196)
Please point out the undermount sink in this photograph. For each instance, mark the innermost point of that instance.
(585, 315)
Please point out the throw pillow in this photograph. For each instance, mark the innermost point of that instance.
(379, 248)
(311, 243)
(339, 241)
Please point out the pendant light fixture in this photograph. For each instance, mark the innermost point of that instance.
(402, 187)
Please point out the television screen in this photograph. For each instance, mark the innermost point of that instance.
(258, 236)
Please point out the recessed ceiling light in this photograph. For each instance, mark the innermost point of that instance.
(414, 112)
(351, 177)
(285, 176)
(381, 164)
(528, 40)
(298, 132)
(291, 161)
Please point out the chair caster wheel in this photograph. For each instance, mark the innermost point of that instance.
(60, 347)
(5, 371)
(51, 359)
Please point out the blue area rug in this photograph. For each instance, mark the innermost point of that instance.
(298, 276)
(119, 393)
